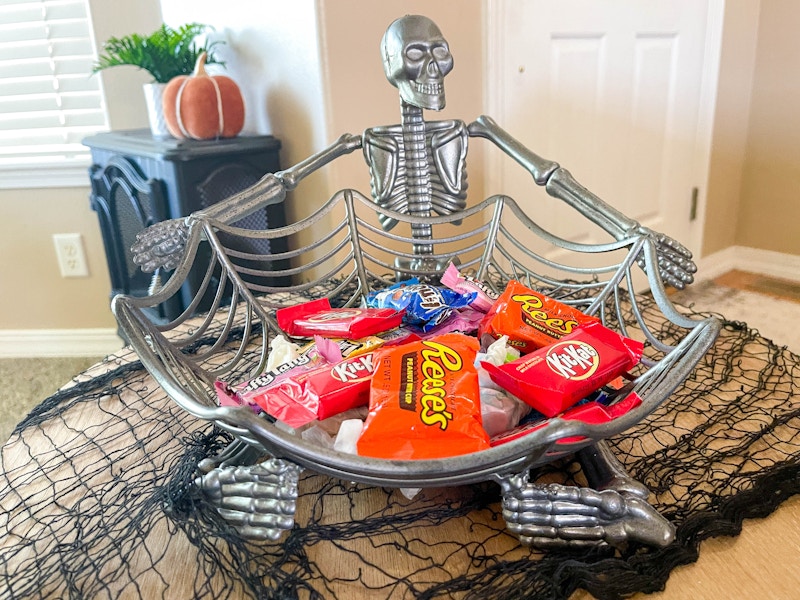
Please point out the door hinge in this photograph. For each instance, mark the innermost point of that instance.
(693, 209)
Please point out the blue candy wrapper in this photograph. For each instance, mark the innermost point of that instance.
(426, 305)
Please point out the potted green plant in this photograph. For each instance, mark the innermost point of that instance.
(165, 53)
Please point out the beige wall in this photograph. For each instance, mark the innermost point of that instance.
(736, 70)
(769, 215)
(34, 295)
(272, 50)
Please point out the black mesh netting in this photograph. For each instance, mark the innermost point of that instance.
(97, 499)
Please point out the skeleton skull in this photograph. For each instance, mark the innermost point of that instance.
(416, 59)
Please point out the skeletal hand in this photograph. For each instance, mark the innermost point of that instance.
(161, 245)
(555, 515)
(259, 501)
(675, 264)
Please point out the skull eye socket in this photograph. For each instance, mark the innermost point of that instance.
(414, 53)
(441, 53)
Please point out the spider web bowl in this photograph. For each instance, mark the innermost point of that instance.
(340, 252)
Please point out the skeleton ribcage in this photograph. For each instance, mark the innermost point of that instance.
(395, 181)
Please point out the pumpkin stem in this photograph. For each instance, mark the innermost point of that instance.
(199, 66)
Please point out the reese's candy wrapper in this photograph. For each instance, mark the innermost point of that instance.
(557, 376)
(318, 318)
(424, 401)
(530, 320)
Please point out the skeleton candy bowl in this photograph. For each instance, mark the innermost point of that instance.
(418, 173)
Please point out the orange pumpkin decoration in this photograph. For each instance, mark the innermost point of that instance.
(202, 106)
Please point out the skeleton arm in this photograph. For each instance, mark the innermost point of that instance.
(675, 261)
(346, 144)
(162, 244)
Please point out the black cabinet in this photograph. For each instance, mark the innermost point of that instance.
(138, 179)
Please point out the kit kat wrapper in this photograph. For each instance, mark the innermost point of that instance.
(319, 393)
(553, 378)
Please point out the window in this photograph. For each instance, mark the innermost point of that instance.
(49, 101)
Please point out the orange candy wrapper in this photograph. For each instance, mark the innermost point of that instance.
(530, 320)
(424, 401)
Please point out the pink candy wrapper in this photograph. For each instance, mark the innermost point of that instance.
(465, 320)
(484, 295)
(302, 396)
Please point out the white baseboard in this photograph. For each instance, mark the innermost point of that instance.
(752, 260)
(33, 343)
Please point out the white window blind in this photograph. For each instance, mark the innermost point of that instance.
(49, 101)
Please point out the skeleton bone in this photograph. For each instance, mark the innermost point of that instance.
(258, 500)
(554, 515)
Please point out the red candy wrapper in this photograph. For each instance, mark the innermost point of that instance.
(530, 320)
(557, 376)
(318, 318)
(591, 412)
(424, 401)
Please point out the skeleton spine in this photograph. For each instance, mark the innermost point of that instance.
(415, 155)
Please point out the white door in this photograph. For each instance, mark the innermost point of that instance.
(611, 90)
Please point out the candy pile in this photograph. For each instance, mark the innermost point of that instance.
(425, 371)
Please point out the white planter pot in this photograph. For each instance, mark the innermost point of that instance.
(155, 111)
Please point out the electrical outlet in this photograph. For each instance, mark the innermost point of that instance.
(71, 257)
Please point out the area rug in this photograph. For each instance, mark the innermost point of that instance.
(774, 318)
(28, 381)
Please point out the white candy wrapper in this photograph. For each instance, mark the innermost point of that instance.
(500, 411)
(288, 429)
(348, 435)
(499, 352)
(281, 351)
(331, 425)
(317, 435)
(410, 493)
(324, 433)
